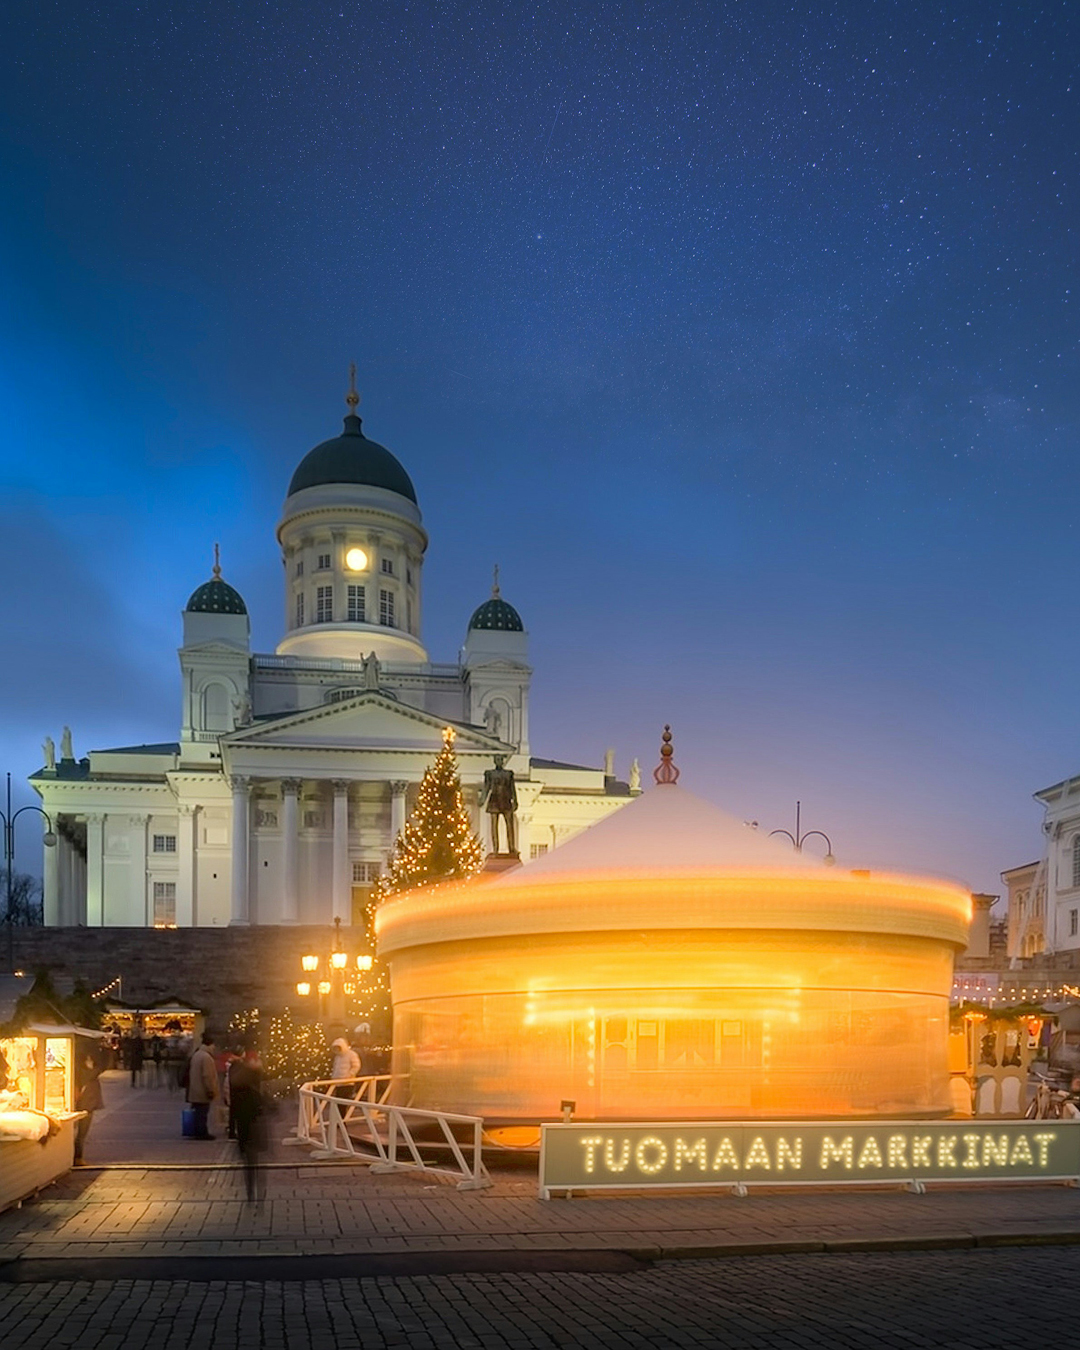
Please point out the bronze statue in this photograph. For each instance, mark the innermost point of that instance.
(500, 800)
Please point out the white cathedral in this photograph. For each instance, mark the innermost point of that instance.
(295, 771)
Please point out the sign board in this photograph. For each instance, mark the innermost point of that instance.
(825, 1153)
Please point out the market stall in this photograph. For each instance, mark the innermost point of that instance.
(37, 1107)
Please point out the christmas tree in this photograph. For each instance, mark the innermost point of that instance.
(437, 843)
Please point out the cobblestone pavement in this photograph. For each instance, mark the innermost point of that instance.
(971, 1300)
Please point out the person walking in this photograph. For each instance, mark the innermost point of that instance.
(156, 1056)
(136, 1055)
(346, 1065)
(89, 1064)
(249, 1117)
(202, 1085)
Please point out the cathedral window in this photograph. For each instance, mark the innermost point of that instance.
(300, 567)
(300, 610)
(386, 608)
(164, 843)
(365, 873)
(164, 904)
(324, 562)
(1076, 861)
(356, 604)
(537, 850)
(388, 566)
(1073, 915)
(324, 604)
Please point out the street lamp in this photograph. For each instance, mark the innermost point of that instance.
(49, 839)
(330, 980)
(798, 838)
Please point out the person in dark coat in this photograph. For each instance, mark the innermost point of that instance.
(134, 1054)
(249, 1115)
(90, 1063)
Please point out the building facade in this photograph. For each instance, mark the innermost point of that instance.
(1044, 896)
(294, 771)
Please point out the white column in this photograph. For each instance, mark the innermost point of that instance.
(67, 880)
(290, 838)
(342, 880)
(51, 897)
(185, 865)
(141, 903)
(524, 834)
(397, 809)
(241, 845)
(95, 871)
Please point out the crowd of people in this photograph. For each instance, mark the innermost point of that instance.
(222, 1087)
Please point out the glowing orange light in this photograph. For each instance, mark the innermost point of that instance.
(338, 960)
(324, 987)
(309, 963)
(303, 988)
(686, 993)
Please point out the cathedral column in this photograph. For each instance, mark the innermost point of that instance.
(140, 899)
(51, 888)
(342, 881)
(185, 860)
(241, 846)
(290, 838)
(95, 871)
(398, 790)
(67, 881)
(524, 834)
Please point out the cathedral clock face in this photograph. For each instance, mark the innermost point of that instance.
(356, 560)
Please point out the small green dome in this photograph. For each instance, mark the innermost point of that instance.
(497, 614)
(216, 597)
(352, 458)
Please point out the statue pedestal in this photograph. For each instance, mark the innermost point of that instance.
(495, 863)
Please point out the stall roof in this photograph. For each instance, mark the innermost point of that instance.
(61, 1029)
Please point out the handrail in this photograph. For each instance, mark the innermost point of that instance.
(324, 1120)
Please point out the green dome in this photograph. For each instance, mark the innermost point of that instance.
(216, 597)
(497, 614)
(352, 458)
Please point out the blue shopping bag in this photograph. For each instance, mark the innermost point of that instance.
(187, 1122)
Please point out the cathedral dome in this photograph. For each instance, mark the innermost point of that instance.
(216, 597)
(495, 615)
(498, 615)
(352, 458)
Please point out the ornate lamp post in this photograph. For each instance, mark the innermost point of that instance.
(330, 976)
(9, 818)
(798, 838)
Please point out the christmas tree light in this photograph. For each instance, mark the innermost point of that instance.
(437, 843)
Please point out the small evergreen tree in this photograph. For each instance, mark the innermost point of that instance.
(437, 843)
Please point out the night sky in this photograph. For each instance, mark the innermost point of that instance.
(741, 335)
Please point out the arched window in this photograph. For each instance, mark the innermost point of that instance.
(215, 708)
(1076, 861)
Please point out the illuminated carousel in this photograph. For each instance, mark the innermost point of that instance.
(673, 962)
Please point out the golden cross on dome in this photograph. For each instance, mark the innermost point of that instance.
(352, 398)
(217, 562)
(495, 584)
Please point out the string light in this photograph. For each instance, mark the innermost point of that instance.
(437, 843)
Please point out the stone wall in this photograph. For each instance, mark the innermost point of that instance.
(221, 970)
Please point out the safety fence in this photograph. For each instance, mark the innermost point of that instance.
(353, 1118)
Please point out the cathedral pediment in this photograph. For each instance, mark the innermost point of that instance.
(371, 720)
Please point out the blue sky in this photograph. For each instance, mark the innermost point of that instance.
(741, 336)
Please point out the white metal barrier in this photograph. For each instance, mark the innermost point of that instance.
(362, 1124)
